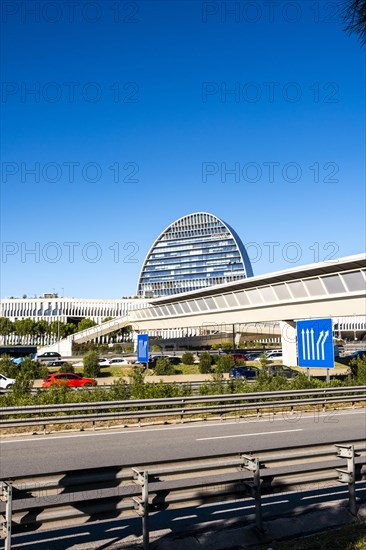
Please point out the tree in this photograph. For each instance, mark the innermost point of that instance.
(6, 327)
(188, 358)
(7, 367)
(163, 367)
(25, 327)
(67, 329)
(225, 363)
(263, 359)
(86, 323)
(41, 328)
(353, 14)
(62, 330)
(205, 363)
(91, 364)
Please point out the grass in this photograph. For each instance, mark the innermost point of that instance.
(349, 537)
(117, 372)
(186, 369)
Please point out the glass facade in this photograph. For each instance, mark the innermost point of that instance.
(196, 251)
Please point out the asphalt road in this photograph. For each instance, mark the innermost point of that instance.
(59, 452)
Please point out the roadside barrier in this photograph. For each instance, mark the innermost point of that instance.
(182, 408)
(44, 502)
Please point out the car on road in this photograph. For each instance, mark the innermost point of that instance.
(244, 373)
(282, 370)
(5, 382)
(68, 378)
(49, 355)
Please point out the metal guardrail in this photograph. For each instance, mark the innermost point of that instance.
(49, 501)
(193, 385)
(181, 407)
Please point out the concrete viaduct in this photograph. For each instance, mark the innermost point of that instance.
(334, 289)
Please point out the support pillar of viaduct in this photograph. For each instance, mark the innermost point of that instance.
(288, 340)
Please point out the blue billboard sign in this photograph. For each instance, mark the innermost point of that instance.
(143, 348)
(315, 343)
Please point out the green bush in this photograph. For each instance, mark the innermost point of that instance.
(8, 368)
(22, 385)
(137, 386)
(91, 364)
(225, 363)
(205, 363)
(301, 382)
(119, 390)
(32, 369)
(67, 367)
(163, 367)
(188, 358)
(263, 359)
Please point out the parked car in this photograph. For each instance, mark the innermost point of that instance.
(103, 362)
(5, 382)
(252, 355)
(136, 363)
(153, 359)
(71, 380)
(274, 355)
(57, 363)
(346, 360)
(244, 373)
(239, 357)
(282, 370)
(118, 361)
(49, 355)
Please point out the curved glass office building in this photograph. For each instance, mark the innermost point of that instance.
(196, 251)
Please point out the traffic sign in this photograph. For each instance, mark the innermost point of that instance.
(143, 348)
(315, 343)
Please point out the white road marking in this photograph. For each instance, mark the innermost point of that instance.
(248, 435)
(127, 431)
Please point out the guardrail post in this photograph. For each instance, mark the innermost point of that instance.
(6, 496)
(348, 476)
(182, 412)
(142, 479)
(252, 464)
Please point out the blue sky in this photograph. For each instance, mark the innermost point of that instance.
(140, 117)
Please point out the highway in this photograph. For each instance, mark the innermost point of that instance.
(35, 454)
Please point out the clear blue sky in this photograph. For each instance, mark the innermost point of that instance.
(145, 90)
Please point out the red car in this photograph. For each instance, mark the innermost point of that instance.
(72, 380)
(239, 357)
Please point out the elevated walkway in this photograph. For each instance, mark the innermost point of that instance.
(326, 289)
